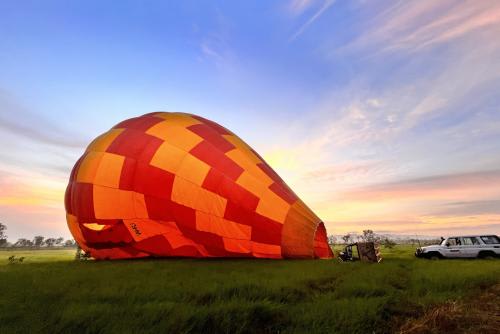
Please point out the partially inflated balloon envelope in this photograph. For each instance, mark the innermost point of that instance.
(174, 184)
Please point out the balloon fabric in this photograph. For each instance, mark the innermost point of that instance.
(178, 185)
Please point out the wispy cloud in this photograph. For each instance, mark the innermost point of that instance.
(345, 171)
(32, 203)
(299, 8)
(20, 122)
(214, 44)
(215, 48)
(486, 183)
(455, 202)
(30, 189)
(427, 114)
(468, 208)
(411, 26)
(34, 169)
(420, 228)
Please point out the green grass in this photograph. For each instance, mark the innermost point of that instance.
(51, 293)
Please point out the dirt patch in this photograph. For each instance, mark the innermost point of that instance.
(476, 314)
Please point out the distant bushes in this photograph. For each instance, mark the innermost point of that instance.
(388, 241)
(80, 255)
(37, 242)
(3, 236)
(13, 259)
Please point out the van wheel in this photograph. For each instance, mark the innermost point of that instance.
(434, 256)
(486, 255)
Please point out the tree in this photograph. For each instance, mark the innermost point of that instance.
(331, 240)
(347, 238)
(38, 241)
(69, 243)
(369, 236)
(388, 243)
(3, 236)
(49, 242)
(59, 241)
(21, 242)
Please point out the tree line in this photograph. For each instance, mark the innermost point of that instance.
(371, 236)
(366, 236)
(37, 242)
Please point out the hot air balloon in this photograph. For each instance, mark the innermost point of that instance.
(178, 185)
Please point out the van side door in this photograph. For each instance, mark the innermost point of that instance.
(453, 247)
(470, 247)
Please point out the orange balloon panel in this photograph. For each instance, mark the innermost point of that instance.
(174, 184)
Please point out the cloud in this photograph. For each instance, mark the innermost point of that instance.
(298, 7)
(22, 123)
(302, 5)
(24, 188)
(433, 203)
(439, 187)
(32, 203)
(420, 227)
(466, 229)
(435, 112)
(455, 23)
(215, 48)
(408, 135)
(412, 26)
(345, 171)
(214, 44)
(468, 208)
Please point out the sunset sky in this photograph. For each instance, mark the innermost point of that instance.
(378, 114)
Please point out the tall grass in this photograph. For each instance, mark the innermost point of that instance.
(57, 295)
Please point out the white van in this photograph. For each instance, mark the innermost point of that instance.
(474, 246)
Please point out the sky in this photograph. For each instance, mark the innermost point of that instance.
(380, 115)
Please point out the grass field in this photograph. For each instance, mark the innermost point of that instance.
(51, 293)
